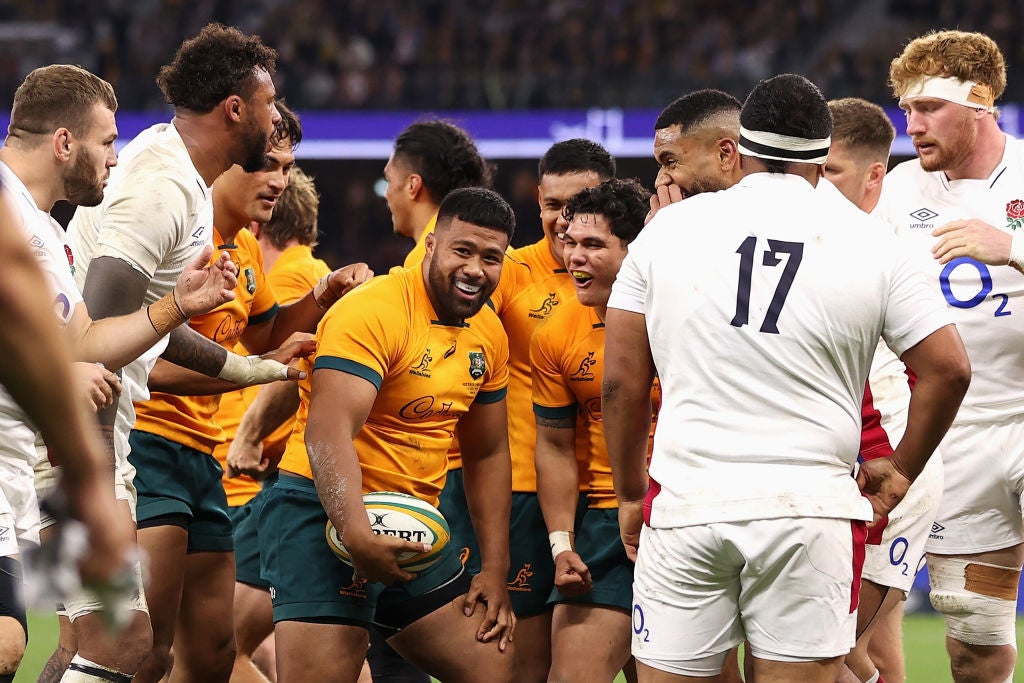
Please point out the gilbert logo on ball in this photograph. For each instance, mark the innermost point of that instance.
(403, 516)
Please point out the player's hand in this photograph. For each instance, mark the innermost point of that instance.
(375, 558)
(490, 590)
(246, 458)
(205, 285)
(345, 279)
(883, 484)
(98, 386)
(572, 576)
(631, 518)
(665, 195)
(298, 346)
(974, 238)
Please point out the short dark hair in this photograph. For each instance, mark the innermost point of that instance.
(444, 156)
(289, 127)
(479, 206)
(55, 96)
(862, 125)
(697, 108)
(577, 156)
(217, 63)
(295, 214)
(625, 203)
(787, 104)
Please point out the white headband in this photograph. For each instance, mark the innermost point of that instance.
(951, 89)
(756, 143)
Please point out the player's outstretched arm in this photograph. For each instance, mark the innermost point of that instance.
(338, 406)
(272, 366)
(304, 314)
(943, 376)
(274, 404)
(626, 412)
(118, 340)
(487, 468)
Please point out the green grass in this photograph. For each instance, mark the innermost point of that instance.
(923, 637)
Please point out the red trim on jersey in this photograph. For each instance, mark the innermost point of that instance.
(653, 489)
(874, 443)
(860, 532)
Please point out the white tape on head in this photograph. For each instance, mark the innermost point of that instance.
(952, 89)
(766, 145)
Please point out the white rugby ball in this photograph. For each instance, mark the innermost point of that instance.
(403, 516)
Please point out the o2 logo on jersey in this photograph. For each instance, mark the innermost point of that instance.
(985, 277)
(62, 307)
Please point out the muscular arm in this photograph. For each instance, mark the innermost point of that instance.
(487, 468)
(626, 401)
(274, 404)
(557, 473)
(112, 287)
(943, 376)
(338, 407)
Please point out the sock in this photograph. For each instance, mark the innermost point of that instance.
(876, 678)
(81, 670)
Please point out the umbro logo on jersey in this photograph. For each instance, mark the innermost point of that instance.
(937, 530)
(922, 216)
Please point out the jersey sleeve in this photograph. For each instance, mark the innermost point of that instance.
(264, 301)
(629, 293)
(144, 222)
(552, 397)
(359, 336)
(915, 309)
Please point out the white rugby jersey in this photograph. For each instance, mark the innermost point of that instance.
(764, 304)
(46, 240)
(156, 214)
(986, 302)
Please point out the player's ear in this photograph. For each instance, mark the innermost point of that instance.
(429, 242)
(414, 184)
(728, 153)
(62, 142)
(876, 173)
(233, 105)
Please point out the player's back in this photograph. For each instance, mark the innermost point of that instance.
(764, 303)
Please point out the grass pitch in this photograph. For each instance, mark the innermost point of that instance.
(923, 637)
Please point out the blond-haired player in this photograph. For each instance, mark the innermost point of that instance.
(962, 203)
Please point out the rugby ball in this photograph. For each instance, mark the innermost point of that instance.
(404, 516)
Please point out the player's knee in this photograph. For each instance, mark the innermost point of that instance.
(977, 600)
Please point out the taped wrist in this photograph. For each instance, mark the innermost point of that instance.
(1017, 250)
(248, 370)
(165, 314)
(561, 541)
(322, 294)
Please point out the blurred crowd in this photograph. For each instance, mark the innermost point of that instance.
(502, 54)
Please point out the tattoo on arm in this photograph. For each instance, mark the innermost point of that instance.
(56, 665)
(568, 422)
(191, 350)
